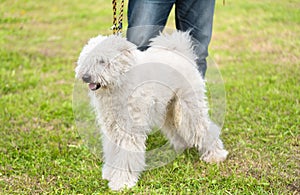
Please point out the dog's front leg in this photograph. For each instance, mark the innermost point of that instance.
(124, 159)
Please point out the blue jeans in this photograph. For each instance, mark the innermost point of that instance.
(146, 18)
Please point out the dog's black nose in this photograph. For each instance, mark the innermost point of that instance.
(86, 78)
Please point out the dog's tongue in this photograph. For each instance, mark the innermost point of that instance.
(92, 86)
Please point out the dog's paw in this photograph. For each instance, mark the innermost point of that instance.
(121, 180)
(118, 185)
(106, 172)
(215, 156)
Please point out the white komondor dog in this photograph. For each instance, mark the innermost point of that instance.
(133, 91)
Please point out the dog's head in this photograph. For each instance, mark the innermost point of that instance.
(103, 60)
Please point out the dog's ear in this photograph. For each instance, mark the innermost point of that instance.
(127, 49)
(125, 46)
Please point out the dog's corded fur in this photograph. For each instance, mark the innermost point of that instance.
(133, 91)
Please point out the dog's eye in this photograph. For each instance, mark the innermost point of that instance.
(100, 61)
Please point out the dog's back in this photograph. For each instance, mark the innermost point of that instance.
(178, 41)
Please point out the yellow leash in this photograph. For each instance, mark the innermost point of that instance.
(117, 22)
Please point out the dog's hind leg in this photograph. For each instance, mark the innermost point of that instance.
(194, 126)
(178, 143)
(212, 147)
(124, 159)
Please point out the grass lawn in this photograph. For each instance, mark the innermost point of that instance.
(257, 47)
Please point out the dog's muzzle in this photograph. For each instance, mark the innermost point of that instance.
(88, 79)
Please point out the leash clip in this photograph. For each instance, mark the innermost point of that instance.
(113, 27)
(117, 29)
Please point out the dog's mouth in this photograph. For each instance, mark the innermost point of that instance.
(94, 86)
(87, 78)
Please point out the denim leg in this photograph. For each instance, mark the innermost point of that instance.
(197, 16)
(146, 18)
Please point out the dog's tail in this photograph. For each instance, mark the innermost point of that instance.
(177, 41)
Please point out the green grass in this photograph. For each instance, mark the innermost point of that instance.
(255, 43)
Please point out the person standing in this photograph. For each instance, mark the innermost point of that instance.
(147, 18)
